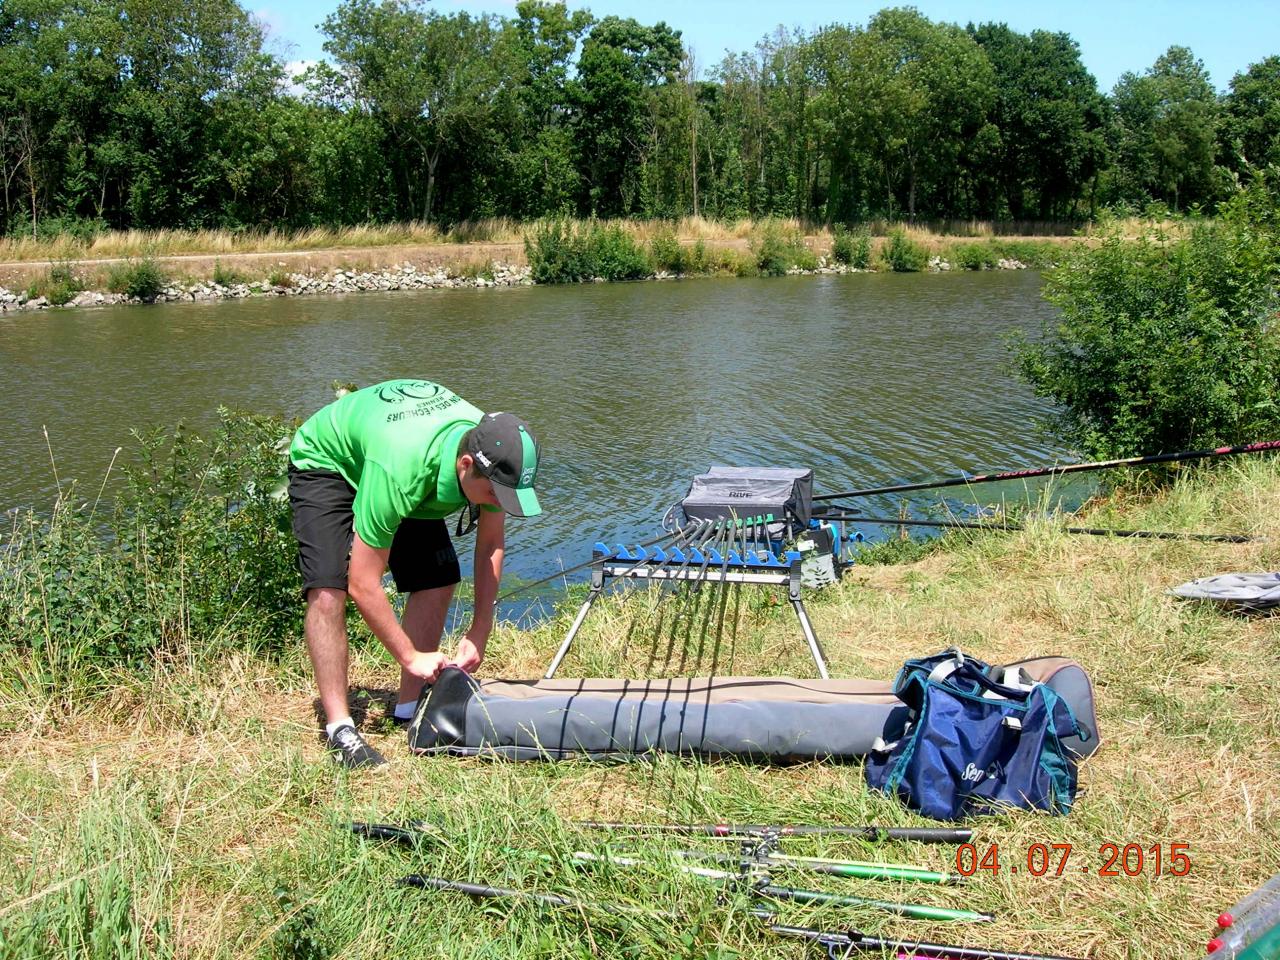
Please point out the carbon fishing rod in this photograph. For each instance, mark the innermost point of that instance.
(1262, 447)
(841, 944)
(1086, 531)
(860, 869)
(560, 573)
(762, 885)
(549, 899)
(873, 833)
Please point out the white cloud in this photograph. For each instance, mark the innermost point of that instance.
(293, 71)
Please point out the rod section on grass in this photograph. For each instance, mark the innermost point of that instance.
(955, 835)
(843, 943)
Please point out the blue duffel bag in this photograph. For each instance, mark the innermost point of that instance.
(977, 740)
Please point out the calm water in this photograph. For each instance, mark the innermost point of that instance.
(632, 388)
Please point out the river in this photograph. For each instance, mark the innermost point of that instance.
(631, 388)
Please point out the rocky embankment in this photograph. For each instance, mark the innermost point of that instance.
(403, 277)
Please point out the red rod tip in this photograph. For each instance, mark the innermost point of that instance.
(1225, 920)
(1214, 944)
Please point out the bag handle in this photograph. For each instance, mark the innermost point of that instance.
(971, 672)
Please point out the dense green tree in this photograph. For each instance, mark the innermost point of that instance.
(426, 76)
(1051, 119)
(1166, 132)
(543, 176)
(622, 64)
(1251, 125)
(170, 113)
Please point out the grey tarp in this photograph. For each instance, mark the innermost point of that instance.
(1245, 591)
(773, 719)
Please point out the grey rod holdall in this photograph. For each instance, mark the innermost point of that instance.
(762, 719)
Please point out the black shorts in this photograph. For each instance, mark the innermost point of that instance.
(422, 555)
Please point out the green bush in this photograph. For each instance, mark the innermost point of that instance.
(280, 278)
(139, 279)
(1166, 344)
(972, 256)
(666, 253)
(778, 249)
(903, 255)
(560, 254)
(852, 248)
(1034, 253)
(59, 286)
(616, 255)
(226, 276)
(195, 551)
(82, 229)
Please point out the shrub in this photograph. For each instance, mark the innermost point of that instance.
(138, 279)
(81, 229)
(973, 256)
(59, 286)
(555, 255)
(778, 249)
(1166, 344)
(280, 278)
(1034, 253)
(666, 253)
(196, 550)
(851, 248)
(226, 276)
(560, 254)
(903, 255)
(616, 255)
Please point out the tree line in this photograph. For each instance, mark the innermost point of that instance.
(173, 113)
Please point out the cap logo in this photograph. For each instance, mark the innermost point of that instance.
(485, 461)
(526, 477)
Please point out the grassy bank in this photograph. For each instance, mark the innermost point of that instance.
(186, 808)
(57, 269)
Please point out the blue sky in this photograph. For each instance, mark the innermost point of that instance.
(1114, 37)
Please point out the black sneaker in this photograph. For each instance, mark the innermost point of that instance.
(350, 750)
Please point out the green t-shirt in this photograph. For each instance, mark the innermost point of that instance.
(396, 443)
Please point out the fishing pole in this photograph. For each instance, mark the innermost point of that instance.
(873, 833)
(763, 886)
(1262, 447)
(1087, 531)
(560, 573)
(841, 944)
(860, 869)
(550, 899)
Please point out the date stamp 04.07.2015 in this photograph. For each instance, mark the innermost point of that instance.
(1063, 859)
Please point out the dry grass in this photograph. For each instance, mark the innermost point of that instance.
(208, 782)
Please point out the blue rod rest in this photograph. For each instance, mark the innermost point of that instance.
(658, 556)
(716, 559)
(676, 556)
(601, 549)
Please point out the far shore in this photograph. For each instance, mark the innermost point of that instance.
(216, 265)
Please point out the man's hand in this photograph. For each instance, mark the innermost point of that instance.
(469, 654)
(426, 666)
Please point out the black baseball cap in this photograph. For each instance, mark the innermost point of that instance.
(505, 451)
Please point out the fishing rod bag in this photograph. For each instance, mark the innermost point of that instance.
(978, 739)
(764, 719)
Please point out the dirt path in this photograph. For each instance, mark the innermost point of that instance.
(16, 273)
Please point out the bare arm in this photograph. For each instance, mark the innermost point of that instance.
(490, 550)
(364, 584)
